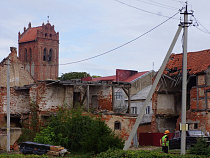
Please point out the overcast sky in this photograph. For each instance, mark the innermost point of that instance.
(89, 28)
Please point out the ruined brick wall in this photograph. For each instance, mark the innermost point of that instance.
(49, 97)
(198, 115)
(126, 123)
(19, 103)
(18, 76)
(103, 97)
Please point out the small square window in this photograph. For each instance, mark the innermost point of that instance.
(118, 95)
(117, 125)
(134, 110)
(147, 110)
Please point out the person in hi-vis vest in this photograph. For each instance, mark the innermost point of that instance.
(164, 141)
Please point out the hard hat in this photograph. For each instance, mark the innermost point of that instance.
(166, 132)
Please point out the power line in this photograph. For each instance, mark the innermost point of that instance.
(113, 48)
(142, 9)
(198, 23)
(160, 5)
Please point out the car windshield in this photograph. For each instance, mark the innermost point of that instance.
(196, 133)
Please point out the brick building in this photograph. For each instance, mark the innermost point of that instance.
(39, 51)
(168, 94)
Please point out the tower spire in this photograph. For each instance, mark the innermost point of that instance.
(48, 19)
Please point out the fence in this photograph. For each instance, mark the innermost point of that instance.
(151, 139)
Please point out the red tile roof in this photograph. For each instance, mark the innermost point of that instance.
(134, 77)
(196, 62)
(30, 35)
(113, 78)
(107, 78)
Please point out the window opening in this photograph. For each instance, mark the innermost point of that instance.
(118, 95)
(50, 54)
(147, 110)
(44, 54)
(134, 110)
(117, 125)
(30, 57)
(26, 55)
(196, 126)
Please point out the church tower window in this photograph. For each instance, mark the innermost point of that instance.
(44, 54)
(50, 54)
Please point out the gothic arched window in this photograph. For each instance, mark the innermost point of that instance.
(45, 54)
(26, 55)
(50, 54)
(30, 55)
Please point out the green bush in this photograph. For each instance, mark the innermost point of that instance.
(141, 154)
(200, 148)
(79, 132)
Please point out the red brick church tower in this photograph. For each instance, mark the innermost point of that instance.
(39, 51)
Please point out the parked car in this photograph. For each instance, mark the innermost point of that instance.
(191, 139)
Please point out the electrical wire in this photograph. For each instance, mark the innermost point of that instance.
(142, 9)
(115, 47)
(198, 23)
(163, 5)
(124, 43)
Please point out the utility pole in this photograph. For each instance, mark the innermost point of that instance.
(183, 125)
(8, 105)
(149, 96)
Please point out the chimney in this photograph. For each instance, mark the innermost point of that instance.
(29, 25)
(13, 49)
(13, 54)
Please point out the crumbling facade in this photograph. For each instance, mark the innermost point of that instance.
(167, 98)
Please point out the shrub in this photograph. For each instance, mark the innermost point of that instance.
(200, 148)
(79, 132)
(141, 154)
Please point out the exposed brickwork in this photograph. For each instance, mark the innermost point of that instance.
(144, 128)
(126, 122)
(49, 97)
(198, 96)
(105, 102)
(39, 51)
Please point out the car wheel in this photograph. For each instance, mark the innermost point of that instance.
(188, 146)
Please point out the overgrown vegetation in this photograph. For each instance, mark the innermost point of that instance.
(200, 148)
(141, 154)
(30, 126)
(79, 132)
